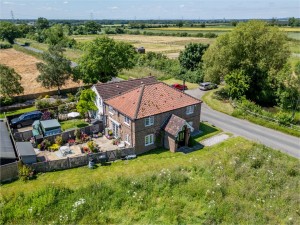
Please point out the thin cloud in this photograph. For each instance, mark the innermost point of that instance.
(181, 6)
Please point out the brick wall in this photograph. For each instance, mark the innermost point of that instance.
(141, 131)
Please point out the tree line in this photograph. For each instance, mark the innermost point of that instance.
(252, 60)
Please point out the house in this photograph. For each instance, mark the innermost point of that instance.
(108, 90)
(150, 115)
(7, 152)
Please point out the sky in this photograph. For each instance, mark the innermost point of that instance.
(149, 9)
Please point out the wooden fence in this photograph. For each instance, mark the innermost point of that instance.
(82, 160)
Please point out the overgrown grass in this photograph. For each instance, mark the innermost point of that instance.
(15, 112)
(139, 72)
(234, 182)
(225, 107)
(74, 123)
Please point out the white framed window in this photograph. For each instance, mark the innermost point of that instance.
(149, 121)
(190, 109)
(127, 138)
(126, 120)
(111, 110)
(191, 123)
(149, 139)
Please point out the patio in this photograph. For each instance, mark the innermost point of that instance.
(103, 143)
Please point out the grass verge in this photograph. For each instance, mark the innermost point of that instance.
(226, 107)
(236, 181)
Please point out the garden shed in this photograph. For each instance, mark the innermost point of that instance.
(46, 127)
(26, 152)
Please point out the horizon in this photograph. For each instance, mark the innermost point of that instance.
(139, 9)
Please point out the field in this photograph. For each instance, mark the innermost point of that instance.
(234, 182)
(170, 46)
(25, 65)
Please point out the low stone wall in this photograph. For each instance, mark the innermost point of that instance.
(9, 171)
(68, 163)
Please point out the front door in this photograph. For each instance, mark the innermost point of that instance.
(115, 129)
(180, 138)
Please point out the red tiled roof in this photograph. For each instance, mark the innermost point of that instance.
(149, 100)
(175, 125)
(108, 90)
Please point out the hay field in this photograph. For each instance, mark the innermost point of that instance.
(211, 29)
(25, 65)
(168, 45)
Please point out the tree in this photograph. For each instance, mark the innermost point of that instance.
(92, 27)
(255, 48)
(42, 23)
(9, 31)
(9, 82)
(103, 59)
(86, 102)
(192, 55)
(237, 83)
(179, 24)
(56, 70)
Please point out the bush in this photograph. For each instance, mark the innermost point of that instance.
(77, 134)
(6, 101)
(284, 118)
(25, 172)
(222, 94)
(59, 140)
(5, 45)
(71, 97)
(54, 147)
(210, 35)
(43, 104)
(45, 144)
(92, 146)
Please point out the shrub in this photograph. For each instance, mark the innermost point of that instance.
(284, 118)
(77, 134)
(6, 101)
(25, 172)
(46, 116)
(222, 94)
(5, 45)
(54, 147)
(71, 97)
(43, 104)
(92, 146)
(59, 140)
(45, 144)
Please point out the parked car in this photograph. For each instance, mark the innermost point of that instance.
(26, 119)
(179, 87)
(207, 86)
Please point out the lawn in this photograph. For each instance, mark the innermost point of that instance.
(74, 123)
(15, 112)
(234, 182)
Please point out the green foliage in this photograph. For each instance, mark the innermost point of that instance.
(42, 23)
(25, 172)
(92, 146)
(9, 82)
(92, 27)
(255, 48)
(59, 140)
(104, 58)
(191, 56)
(284, 118)
(159, 62)
(57, 69)
(5, 45)
(77, 133)
(86, 101)
(55, 35)
(54, 147)
(229, 183)
(237, 84)
(9, 31)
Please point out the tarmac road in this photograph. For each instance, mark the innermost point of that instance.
(271, 138)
